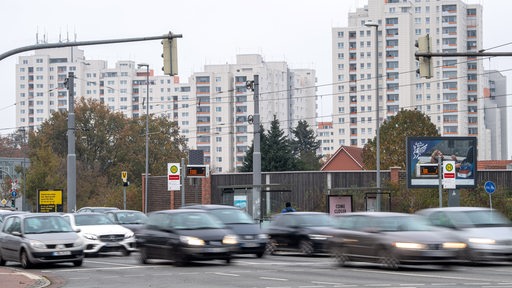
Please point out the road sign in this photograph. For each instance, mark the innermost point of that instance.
(449, 175)
(173, 176)
(4, 202)
(14, 194)
(124, 176)
(490, 187)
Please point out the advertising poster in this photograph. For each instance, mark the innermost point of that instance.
(340, 204)
(424, 153)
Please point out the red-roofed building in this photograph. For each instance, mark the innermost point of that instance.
(345, 158)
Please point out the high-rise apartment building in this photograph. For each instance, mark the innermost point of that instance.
(214, 110)
(496, 114)
(453, 97)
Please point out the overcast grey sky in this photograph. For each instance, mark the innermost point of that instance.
(214, 32)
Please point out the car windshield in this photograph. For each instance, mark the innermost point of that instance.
(479, 218)
(131, 217)
(314, 220)
(46, 224)
(402, 223)
(92, 219)
(191, 221)
(232, 216)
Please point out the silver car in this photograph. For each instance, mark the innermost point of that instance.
(487, 232)
(36, 238)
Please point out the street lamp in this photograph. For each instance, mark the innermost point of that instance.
(147, 138)
(376, 44)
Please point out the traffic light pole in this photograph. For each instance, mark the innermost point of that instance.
(170, 35)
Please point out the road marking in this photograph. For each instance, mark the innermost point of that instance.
(326, 283)
(224, 274)
(427, 276)
(28, 275)
(276, 279)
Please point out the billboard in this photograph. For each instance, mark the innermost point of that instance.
(422, 160)
(49, 201)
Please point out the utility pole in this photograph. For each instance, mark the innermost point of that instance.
(71, 165)
(256, 156)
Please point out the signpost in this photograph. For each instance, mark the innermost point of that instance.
(49, 201)
(124, 177)
(173, 176)
(490, 187)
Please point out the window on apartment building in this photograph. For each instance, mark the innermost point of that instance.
(341, 56)
(341, 34)
(450, 129)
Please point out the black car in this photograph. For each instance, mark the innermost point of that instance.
(306, 232)
(252, 239)
(184, 235)
(131, 219)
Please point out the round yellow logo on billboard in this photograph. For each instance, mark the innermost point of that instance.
(449, 167)
(174, 169)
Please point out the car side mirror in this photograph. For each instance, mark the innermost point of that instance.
(77, 230)
(16, 233)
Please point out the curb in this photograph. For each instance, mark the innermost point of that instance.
(13, 275)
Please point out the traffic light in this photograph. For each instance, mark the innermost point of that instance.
(13, 203)
(424, 45)
(170, 56)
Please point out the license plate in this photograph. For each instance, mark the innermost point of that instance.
(250, 244)
(216, 250)
(61, 253)
(112, 244)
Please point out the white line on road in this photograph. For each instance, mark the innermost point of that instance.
(276, 279)
(224, 274)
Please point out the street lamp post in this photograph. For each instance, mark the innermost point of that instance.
(377, 101)
(147, 138)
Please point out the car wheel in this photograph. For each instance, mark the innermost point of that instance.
(78, 263)
(306, 247)
(24, 260)
(260, 254)
(388, 260)
(143, 255)
(126, 252)
(271, 247)
(228, 260)
(2, 261)
(340, 255)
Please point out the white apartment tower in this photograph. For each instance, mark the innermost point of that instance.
(496, 113)
(224, 106)
(453, 97)
(213, 111)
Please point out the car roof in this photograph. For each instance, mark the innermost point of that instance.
(176, 211)
(374, 214)
(210, 207)
(455, 209)
(123, 211)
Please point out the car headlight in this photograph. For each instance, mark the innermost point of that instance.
(230, 239)
(193, 241)
(78, 243)
(482, 241)
(410, 245)
(454, 245)
(319, 236)
(37, 244)
(129, 235)
(262, 236)
(90, 236)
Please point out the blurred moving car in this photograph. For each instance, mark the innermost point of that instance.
(306, 232)
(392, 239)
(487, 232)
(131, 219)
(36, 238)
(96, 209)
(251, 238)
(184, 235)
(101, 234)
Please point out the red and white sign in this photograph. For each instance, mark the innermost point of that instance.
(173, 176)
(449, 175)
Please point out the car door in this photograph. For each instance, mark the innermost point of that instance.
(282, 231)
(11, 238)
(366, 234)
(156, 236)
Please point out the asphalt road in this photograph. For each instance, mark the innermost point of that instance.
(277, 271)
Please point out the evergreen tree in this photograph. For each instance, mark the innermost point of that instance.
(305, 146)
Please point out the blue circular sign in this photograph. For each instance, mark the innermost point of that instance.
(13, 193)
(490, 187)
